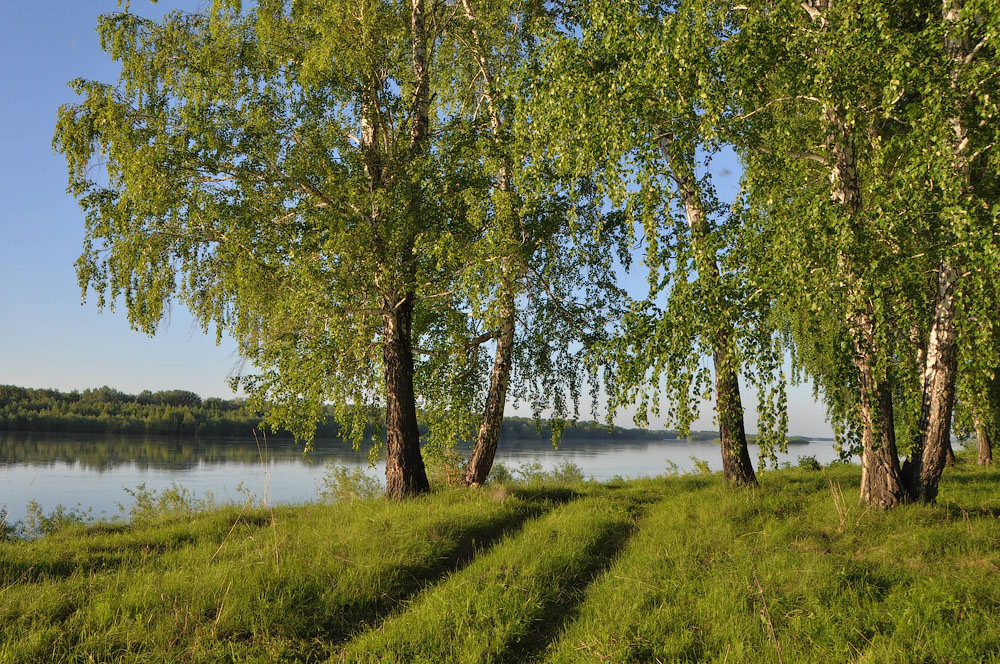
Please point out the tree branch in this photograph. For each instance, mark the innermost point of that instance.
(975, 49)
(481, 339)
(744, 116)
(809, 156)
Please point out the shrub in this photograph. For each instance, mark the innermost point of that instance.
(150, 505)
(341, 483)
(700, 466)
(444, 465)
(500, 474)
(7, 530)
(38, 524)
(566, 472)
(809, 462)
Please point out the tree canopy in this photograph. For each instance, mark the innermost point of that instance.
(370, 196)
(313, 179)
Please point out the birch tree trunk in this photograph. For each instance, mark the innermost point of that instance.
(881, 485)
(488, 435)
(925, 466)
(985, 455)
(404, 466)
(881, 481)
(736, 465)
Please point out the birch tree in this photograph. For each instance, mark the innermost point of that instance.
(628, 94)
(858, 165)
(537, 290)
(277, 171)
(959, 121)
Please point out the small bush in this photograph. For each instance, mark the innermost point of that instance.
(7, 530)
(531, 473)
(149, 505)
(567, 472)
(700, 466)
(809, 462)
(500, 474)
(38, 524)
(340, 483)
(444, 465)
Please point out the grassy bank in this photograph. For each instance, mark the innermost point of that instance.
(671, 570)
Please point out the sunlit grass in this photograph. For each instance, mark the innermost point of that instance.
(673, 570)
(509, 601)
(284, 583)
(789, 573)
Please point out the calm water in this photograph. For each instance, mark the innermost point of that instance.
(94, 471)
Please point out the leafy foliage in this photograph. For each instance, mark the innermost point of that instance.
(627, 97)
(883, 70)
(239, 174)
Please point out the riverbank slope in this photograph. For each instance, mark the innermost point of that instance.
(669, 569)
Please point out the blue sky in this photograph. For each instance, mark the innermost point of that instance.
(48, 338)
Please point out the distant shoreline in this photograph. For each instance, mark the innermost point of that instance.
(322, 442)
(179, 413)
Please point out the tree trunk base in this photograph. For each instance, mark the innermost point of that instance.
(882, 483)
(985, 456)
(736, 465)
(488, 437)
(405, 474)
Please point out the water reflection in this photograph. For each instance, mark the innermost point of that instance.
(93, 470)
(103, 453)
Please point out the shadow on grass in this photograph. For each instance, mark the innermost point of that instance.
(83, 549)
(956, 512)
(554, 495)
(335, 625)
(37, 571)
(94, 557)
(565, 610)
(970, 474)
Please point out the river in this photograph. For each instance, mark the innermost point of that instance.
(93, 472)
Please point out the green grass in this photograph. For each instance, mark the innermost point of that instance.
(670, 570)
(785, 574)
(238, 585)
(510, 600)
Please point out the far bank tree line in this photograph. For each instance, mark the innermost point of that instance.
(108, 411)
(427, 207)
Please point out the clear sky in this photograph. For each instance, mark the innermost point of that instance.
(48, 338)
